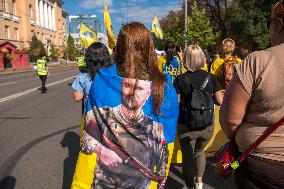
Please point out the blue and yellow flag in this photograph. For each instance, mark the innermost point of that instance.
(156, 28)
(109, 28)
(87, 35)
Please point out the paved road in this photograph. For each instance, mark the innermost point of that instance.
(39, 139)
(38, 132)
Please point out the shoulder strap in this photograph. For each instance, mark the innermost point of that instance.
(264, 135)
(205, 82)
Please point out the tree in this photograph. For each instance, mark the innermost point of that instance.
(173, 23)
(199, 29)
(218, 10)
(37, 49)
(175, 32)
(54, 52)
(71, 51)
(248, 23)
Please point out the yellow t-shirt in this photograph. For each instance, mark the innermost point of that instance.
(161, 62)
(216, 68)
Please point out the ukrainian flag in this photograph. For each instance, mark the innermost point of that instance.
(156, 28)
(109, 28)
(87, 35)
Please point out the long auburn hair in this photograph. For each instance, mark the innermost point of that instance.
(136, 58)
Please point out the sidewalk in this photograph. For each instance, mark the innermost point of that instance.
(30, 68)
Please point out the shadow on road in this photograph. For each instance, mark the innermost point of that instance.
(71, 140)
(8, 182)
(211, 181)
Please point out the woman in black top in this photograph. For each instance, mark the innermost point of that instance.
(193, 139)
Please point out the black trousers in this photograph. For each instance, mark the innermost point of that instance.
(43, 80)
(260, 173)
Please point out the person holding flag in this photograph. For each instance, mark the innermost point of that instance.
(131, 116)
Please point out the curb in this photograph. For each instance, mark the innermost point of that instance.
(30, 69)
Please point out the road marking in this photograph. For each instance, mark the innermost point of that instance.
(63, 72)
(16, 76)
(34, 73)
(7, 83)
(4, 99)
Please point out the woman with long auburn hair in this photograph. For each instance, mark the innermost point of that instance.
(131, 115)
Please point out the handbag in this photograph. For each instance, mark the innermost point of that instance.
(227, 156)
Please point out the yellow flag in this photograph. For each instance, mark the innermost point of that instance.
(109, 28)
(156, 28)
(87, 35)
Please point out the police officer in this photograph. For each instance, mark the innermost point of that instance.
(81, 63)
(42, 70)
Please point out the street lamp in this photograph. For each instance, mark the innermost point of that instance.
(185, 23)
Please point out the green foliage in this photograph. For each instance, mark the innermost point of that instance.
(175, 32)
(199, 30)
(54, 53)
(36, 50)
(248, 23)
(71, 51)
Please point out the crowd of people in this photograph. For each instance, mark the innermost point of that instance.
(135, 104)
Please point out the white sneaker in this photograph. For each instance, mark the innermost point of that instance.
(198, 185)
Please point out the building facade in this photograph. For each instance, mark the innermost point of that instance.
(90, 20)
(21, 19)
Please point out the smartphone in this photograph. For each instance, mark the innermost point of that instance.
(177, 49)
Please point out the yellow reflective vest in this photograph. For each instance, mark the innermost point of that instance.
(81, 62)
(41, 67)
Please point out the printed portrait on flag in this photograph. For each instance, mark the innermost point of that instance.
(122, 129)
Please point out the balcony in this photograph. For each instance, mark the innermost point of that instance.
(33, 22)
(16, 19)
(7, 16)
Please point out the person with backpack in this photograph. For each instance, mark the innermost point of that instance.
(197, 91)
(224, 67)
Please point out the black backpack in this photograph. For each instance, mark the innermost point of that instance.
(199, 107)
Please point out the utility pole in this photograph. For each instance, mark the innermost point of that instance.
(185, 24)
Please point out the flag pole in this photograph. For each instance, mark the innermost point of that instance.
(185, 23)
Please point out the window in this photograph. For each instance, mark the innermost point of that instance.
(6, 32)
(4, 5)
(30, 11)
(16, 34)
(14, 7)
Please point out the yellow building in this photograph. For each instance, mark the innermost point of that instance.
(21, 19)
